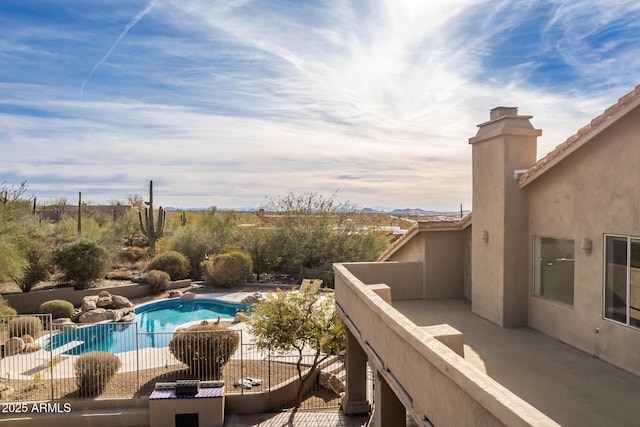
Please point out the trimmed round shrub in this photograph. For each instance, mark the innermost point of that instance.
(171, 262)
(81, 262)
(57, 308)
(227, 270)
(26, 325)
(205, 348)
(94, 370)
(158, 280)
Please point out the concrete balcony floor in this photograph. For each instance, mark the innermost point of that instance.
(566, 384)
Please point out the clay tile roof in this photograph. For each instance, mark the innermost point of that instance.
(435, 225)
(599, 123)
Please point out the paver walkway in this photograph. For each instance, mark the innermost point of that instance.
(297, 419)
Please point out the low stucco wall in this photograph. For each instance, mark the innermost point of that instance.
(29, 302)
(404, 278)
(436, 382)
(107, 412)
(268, 401)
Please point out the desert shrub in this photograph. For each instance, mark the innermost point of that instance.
(171, 262)
(227, 270)
(94, 370)
(57, 308)
(39, 264)
(5, 308)
(81, 262)
(132, 254)
(205, 348)
(158, 280)
(194, 243)
(27, 325)
(119, 275)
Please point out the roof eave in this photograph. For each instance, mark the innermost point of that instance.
(599, 124)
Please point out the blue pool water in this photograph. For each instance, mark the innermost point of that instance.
(155, 324)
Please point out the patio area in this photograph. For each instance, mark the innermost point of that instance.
(568, 385)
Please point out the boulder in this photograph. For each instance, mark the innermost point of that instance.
(89, 303)
(119, 313)
(240, 317)
(103, 294)
(13, 346)
(175, 294)
(121, 302)
(252, 299)
(93, 316)
(31, 347)
(27, 339)
(331, 382)
(105, 302)
(61, 321)
(188, 295)
(6, 392)
(130, 317)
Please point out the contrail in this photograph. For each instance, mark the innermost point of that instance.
(124, 32)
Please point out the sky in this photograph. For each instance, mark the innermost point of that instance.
(229, 103)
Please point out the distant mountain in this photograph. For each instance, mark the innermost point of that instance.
(172, 208)
(405, 211)
(369, 210)
(413, 211)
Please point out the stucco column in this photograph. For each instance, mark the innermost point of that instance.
(355, 397)
(388, 409)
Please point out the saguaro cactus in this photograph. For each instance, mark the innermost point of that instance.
(183, 219)
(149, 229)
(79, 214)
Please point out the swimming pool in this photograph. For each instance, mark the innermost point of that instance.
(155, 324)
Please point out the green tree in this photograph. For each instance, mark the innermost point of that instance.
(313, 232)
(14, 213)
(298, 322)
(81, 262)
(13, 263)
(210, 233)
(37, 253)
(125, 231)
(259, 242)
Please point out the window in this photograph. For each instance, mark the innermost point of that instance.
(553, 269)
(622, 280)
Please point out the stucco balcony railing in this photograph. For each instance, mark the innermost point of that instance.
(432, 381)
(505, 374)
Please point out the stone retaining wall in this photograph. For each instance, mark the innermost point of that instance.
(29, 302)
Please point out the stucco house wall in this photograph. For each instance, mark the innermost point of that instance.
(592, 192)
(444, 264)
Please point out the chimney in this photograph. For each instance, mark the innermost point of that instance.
(502, 148)
(498, 112)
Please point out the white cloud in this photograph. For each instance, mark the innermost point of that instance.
(234, 101)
